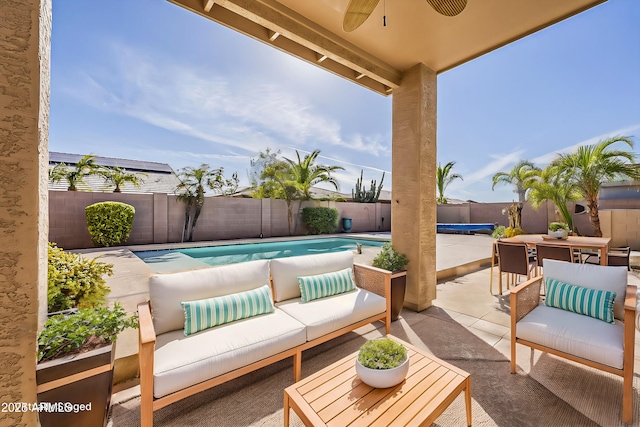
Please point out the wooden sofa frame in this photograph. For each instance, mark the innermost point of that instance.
(526, 296)
(369, 278)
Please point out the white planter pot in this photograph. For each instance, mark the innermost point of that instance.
(382, 378)
(559, 234)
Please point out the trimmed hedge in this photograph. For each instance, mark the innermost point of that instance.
(109, 222)
(319, 220)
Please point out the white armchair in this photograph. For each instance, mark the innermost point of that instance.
(578, 337)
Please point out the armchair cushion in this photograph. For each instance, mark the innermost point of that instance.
(324, 285)
(590, 302)
(581, 336)
(210, 312)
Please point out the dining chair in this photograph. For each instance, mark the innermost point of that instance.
(514, 259)
(560, 253)
(619, 257)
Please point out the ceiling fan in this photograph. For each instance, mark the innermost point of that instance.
(359, 10)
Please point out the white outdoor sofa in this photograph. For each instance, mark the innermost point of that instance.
(578, 337)
(174, 366)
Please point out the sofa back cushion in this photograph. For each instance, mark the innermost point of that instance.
(605, 278)
(285, 271)
(166, 291)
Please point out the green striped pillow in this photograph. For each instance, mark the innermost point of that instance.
(207, 313)
(590, 302)
(324, 285)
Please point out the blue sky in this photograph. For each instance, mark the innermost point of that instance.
(128, 81)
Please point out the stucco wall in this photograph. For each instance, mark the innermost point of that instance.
(25, 33)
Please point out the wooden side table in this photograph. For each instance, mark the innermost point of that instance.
(335, 396)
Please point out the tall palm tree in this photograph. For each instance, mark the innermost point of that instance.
(306, 174)
(85, 167)
(191, 190)
(522, 172)
(444, 177)
(553, 184)
(119, 176)
(591, 165)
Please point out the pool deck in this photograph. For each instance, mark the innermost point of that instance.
(456, 254)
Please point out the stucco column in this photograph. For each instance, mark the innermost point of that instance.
(25, 44)
(413, 204)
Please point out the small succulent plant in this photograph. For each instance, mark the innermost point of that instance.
(382, 353)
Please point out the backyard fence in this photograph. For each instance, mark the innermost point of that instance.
(159, 218)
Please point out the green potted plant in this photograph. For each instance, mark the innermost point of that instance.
(558, 230)
(389, 259)
(76, 347)
(382, 363)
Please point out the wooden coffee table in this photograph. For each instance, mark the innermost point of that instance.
(335, 396)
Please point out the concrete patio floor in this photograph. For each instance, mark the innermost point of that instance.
(462, 296)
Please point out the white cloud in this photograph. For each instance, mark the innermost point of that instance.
(547, 158)
(193, 102)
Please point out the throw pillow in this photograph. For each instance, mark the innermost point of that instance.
(210, 312)
(324, 285)
(590, 302)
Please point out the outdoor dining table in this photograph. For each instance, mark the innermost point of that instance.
(574, 242)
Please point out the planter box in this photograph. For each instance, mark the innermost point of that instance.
(78, 388)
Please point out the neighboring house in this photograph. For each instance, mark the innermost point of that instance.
(160, 177)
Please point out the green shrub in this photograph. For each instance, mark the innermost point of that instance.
(499, 232)
(89, 328)
(319, 220)
(389, 259)
(75, 281)
(382, 353)
(109, 222)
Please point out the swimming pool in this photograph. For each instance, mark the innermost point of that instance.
(173, 259)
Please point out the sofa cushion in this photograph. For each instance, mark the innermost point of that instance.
(206, 313)
(166, 291)
(326, 315)
(575, 334)
(285, 271)
(182, 361)
(327, 284)
(598, 277)
(589, 302)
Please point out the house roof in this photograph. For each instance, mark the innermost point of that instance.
(160, 177)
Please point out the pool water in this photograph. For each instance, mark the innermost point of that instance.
(231, 254)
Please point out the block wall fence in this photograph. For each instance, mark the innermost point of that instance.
(160, 217)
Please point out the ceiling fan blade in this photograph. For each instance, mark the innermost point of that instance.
(357, 12)
(448, 7)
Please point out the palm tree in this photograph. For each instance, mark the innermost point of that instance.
(307, 174)
(85, 167)
(287, 188)
(444, 177)
(591, 165)
(119, 176)
(191, 191)
(521, 173)
(553, 184)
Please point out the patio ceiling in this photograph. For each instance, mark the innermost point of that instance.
(374, 55)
